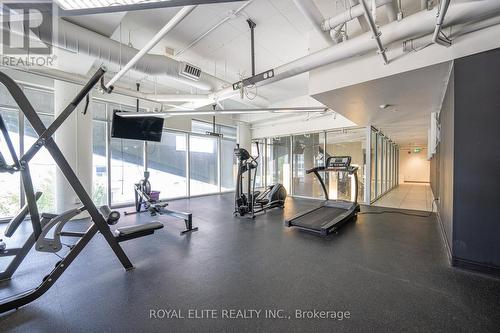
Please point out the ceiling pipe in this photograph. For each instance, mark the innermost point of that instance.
(164, 100)
(361, 19)
(417, 44)
(230, 16)
(59, 75)
(336, 34)
(314, 16)
(437, 38)
(177, 98)
(349, 15)
(392, 10)
(178, 17)
(376, 33)
(419, 24)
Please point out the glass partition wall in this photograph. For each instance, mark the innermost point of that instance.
(347, 142)
(278, 161)
(384, 164)
(307, 153)
(287, 159)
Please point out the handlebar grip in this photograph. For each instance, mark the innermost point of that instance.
(258, 149)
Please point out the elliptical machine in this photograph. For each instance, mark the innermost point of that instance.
(252, 201)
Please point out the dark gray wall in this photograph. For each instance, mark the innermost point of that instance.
(476, 209)
(442, 164)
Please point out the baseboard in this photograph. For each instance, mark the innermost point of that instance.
(475, 266)
(415, 182)
(443, 235)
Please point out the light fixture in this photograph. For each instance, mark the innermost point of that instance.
(227, 111)
(388, 107)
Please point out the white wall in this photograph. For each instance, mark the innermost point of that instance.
(414, 167)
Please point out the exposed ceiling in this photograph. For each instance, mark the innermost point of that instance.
(281, 35)
(410, 98)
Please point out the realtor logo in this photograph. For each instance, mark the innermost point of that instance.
(27, 27)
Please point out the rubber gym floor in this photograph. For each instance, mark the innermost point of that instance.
(389, 271)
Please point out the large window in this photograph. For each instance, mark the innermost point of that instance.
(206, 181)
(307, 153)
(127, 168)
(278, 161)
(167, 164)
(118, 164)
(126, 158)
(10, 199)
(42, 166)
(203, 167)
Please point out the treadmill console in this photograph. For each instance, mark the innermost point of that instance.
(338, 162)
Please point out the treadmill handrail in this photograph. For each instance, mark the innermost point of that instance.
(351, 169)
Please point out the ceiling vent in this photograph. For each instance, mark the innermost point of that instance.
(189, 71)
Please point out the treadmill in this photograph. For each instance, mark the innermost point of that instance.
(332, 214)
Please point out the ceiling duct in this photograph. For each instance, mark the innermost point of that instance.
(75, 39)
(189, 71)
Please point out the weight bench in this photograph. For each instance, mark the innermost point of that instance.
(136, 231)
(127, 233)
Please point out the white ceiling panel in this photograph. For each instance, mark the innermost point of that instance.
(412, 97)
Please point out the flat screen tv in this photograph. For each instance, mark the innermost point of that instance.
(137, 128)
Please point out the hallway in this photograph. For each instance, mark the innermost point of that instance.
(416, 196)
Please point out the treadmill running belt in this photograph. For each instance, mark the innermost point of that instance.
(315, 219)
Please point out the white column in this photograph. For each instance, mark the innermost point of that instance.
(74, 138)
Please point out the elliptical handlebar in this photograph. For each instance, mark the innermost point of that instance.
(254, 161)
(258, 150)
(245, 157)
